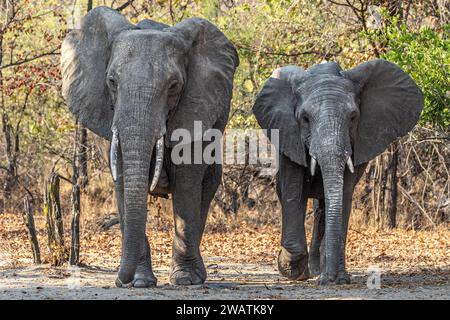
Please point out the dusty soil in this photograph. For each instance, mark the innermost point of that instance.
(241, 264)
(226, 281)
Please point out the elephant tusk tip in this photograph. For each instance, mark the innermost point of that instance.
(159, 162)
(313, 166)
(350, 165)
(113, 153)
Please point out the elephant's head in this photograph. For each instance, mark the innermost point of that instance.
(337, 119)
(135, 84)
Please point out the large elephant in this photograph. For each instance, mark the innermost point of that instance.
(134, 85)
(333, 122)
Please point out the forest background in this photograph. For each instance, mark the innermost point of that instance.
(407, 187)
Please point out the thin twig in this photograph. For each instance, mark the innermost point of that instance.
(410, 198)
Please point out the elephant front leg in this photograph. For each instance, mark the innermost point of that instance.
(187, 264)
(143, 277)
(293, 256)
(317, 236)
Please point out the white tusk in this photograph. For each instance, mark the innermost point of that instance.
(158, 162)
(313, 165)
(113, 153)
(350, 165)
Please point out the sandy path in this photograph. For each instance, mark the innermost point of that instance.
(226, 281)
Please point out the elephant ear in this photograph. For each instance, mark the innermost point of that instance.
(85, 56)
(390, 106)
(208, 88)
(274, 108)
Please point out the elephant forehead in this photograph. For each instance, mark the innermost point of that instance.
(322, 92)
(327, 85)
(151, 42)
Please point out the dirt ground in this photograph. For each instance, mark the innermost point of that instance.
(225, 281)
(241, 264)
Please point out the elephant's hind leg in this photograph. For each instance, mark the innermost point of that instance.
(317, 236)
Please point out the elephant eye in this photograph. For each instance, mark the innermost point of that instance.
(305, 119)
(173, 87)
(112, 82)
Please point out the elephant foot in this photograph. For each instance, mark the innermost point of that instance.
(139, 281)
(293, 267)
(314, 266)
(342, 278)
(188, 272)
(144, 277)
(324, 280)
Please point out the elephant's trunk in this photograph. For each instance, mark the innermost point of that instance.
(331, 148)
(138, 133)
(333, 182)
(136, 154)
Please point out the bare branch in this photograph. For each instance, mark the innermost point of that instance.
(19, 182)
(338, 3)
(286, 54)
(125, 5)
(20, 62)
(414, 201)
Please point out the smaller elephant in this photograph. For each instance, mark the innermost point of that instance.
(331, 123)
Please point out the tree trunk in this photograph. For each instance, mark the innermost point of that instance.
(79, 181)
(81, 144)
(12, 150)
(29, 223)
(54, 222)
(392, 175)
(74, 258)
(81, 155)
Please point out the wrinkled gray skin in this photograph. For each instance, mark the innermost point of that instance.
(143, 82)
(340, 120)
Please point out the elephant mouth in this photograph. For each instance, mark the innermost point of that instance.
(158, 163)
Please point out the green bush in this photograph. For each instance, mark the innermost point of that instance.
(425, 55)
